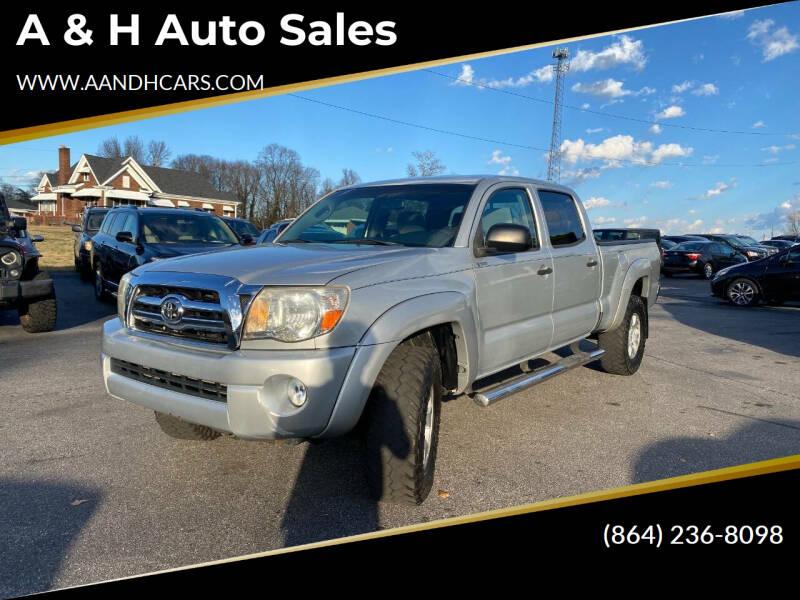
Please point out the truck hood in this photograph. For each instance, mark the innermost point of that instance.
(296, 264)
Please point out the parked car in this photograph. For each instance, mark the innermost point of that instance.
(244, 230)
(679, 239)
(268, 235)
(82, 246)
(751, 242)
(130, 237)
(369, 325)
(610, 234)
(789, 236)
(774, 280)
(702, 258)
(29, 241)
(23, 287)
(779, 244)
(752, 252)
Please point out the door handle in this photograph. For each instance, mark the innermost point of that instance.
(544, 271)
(592, 263)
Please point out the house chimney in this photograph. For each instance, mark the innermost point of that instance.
(63, 165)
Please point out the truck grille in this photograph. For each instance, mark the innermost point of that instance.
(194, 314)
(209, 390)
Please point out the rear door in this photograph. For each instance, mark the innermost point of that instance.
(514, 289)
(576, 267)
(782, 279)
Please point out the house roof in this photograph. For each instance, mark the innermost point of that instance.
(103, 168)
(185, 183)
(16, 203)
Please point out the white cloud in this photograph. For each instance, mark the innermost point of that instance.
(598, 202)
(620, 148)
(776, 149)
(655, 128)
(595, 130)
(710, 159)
(671, 112)
(707, 89)
(646, 91)
(720, 188)
(635, 222)
(734, 14)
(758, 124)
(468, 78)
(585, 105)
(680, 88)
(607, 88)
(773, 42)
(776, 218)
(603, 220)
(662, 185)
(624, 51)
(504, 161)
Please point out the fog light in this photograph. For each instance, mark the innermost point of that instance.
(296, 390)
(14, 273)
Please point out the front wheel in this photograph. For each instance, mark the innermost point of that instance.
(742, 292)
(624, 346)
(39, 315)
(402, 425)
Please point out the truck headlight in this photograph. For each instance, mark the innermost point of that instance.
(87, 245)
(295, 314)
(752, 254)
(11, 259)
(123, 295)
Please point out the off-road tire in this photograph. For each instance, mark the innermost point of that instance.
(409, 380)
(179, 429)
(617, 359)
(100, 293)
(39, 315)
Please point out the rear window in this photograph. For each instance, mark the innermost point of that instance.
(94, 220)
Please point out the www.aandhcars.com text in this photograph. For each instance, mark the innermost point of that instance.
(133, 82)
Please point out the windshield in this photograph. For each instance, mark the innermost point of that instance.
(736, 243)
(182, 228)
(747, 240)
(244, 227)
(423, 215)
(95, 220)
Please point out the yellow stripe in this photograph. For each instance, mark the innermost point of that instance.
(738, 472)
(12, 136)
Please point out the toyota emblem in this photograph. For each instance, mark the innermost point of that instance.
(172, 310)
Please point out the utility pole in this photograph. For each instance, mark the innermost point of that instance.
(560, 68)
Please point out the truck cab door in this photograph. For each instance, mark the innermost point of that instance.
(576, 267)
(514, 289)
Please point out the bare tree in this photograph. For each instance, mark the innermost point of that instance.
(244, 181)
(211, 169)
(288, 187)
(327, 186)
(793, 223)
(349, 177)
(158, 153)
(428, 164)
(110, 148)
(134, 146)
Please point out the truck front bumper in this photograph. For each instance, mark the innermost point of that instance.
(25, 290)
(252, 385)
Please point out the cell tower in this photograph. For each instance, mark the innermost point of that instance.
(560, 68)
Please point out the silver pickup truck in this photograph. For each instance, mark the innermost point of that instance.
(377, 301)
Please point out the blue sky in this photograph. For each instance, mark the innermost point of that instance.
(739, 72)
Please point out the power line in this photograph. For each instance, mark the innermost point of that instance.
(640, 162)
(603, 113)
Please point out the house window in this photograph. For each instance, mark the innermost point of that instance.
(86, 177)
(126, 181)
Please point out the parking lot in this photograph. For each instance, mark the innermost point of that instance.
(91, 489)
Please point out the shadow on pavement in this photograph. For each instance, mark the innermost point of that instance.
(685, 455)
(39, 522)
(774, 328)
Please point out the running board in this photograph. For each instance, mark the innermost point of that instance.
(504, 389)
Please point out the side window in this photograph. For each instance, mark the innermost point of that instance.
(116, 226)
(794, 255)
(132, 224)
(107, 222)
(508, 206)
(563, 218)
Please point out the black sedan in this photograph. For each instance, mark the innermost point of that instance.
(701, 257)
(779, 244)
(774, 280)
(82, 244)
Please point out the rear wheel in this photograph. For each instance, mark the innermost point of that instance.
(708, 271)
(624, 346)
(179, 429)
(742, 292)
(39, 315)
(402, 425)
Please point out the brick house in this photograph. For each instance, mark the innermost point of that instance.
(63, 195)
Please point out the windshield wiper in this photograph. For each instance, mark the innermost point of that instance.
(299, 240)
(369, 241)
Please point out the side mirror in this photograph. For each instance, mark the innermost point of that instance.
(125, 236)
(247, 239)
(19, 223)
(785, 260)
(76, 228)
(508, 237)
(37, 238)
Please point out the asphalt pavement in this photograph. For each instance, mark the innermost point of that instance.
(90, 488)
